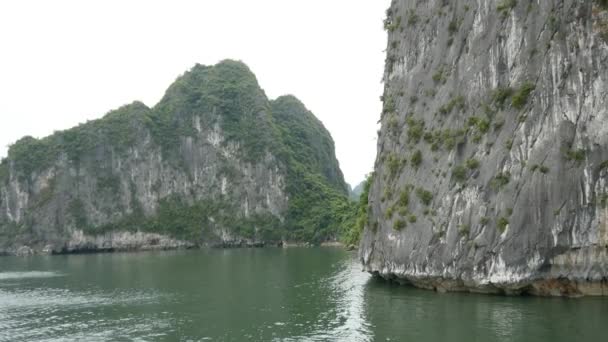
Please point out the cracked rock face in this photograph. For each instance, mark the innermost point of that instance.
(492, 163)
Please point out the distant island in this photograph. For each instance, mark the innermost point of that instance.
(214, 163)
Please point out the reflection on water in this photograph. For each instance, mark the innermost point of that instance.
(262, 295)
(346, 319)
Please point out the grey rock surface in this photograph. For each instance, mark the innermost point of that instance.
(492, 164)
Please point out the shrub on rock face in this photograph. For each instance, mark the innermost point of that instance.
(425, 196)
(520, 98)
(417, 159)
(399, 225)
(459, 173)
(472, 163)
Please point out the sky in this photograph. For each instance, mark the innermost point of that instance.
(65, 62)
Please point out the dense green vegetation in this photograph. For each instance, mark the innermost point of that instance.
(306, 140)
(317, 211)
(194, 221)
(319, 207)
(117, 130)
(354, 229)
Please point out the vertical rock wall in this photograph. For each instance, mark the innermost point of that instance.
(492, 160)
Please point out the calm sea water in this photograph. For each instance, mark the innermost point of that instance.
(316, 294)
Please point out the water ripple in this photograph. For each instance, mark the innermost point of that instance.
(27, 275)
(64, 315)
(346, 321)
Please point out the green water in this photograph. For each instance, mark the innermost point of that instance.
(262, 295)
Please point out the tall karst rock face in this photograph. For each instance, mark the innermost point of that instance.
(492, 167)
(214, 162)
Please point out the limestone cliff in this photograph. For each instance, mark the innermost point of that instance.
(214, 162)
(492, 167)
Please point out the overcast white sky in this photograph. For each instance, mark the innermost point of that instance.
(64, 62)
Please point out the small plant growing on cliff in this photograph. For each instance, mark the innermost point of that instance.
(417, 159)
(388, 193)
(575, 155)
(543, 169)
(393, 125)
(391, 24)
(389, 212)
(412, 218)
(457, 102)
(426, 197)
(500, 96)
(520, 98)
(502, 224)
(472, 163)
(453, 27)
(394, 165)
(459, 173)
(483, 125)
(439, 76)
(404, 198)
(500, 180)
(399, 225)
(484, 221)
(415, 130)
(464, 229)
(412, 17)
(505, 6)
(389, 104)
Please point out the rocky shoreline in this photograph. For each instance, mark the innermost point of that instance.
(80, 243)
(556, 287)
(573, 274)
